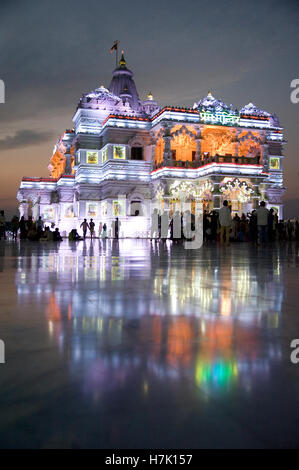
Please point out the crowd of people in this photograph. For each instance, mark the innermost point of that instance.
(259, 227)
(33, 230)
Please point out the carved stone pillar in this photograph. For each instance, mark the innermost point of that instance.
(265, 149)
(198, 141)
(256, 195)
(167, 146)
(216, 195)
(167, 149)
(23, 209)
(68, 162)
(36, 211)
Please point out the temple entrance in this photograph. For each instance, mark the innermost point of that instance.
(239, 193)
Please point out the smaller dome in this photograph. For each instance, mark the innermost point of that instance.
(100, 98)
(253, 110)
(150, 106)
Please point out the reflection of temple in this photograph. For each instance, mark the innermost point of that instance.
(124, 153)
(207, 329)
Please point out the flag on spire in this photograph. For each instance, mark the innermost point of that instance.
(114, 47)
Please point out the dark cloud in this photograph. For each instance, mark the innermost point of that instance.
(24, 138)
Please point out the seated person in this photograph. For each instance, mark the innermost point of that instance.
(47, 235)
(56, 236)
(33, 234)
(74, 236)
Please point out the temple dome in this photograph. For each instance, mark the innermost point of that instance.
(253, 110)
(123, 85)
(100, 98)
(210, 103)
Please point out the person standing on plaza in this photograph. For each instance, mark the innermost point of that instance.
(225, 220)
(85, 226)
(91, 228)
(214, 225)
(262, 222)
(100, 229)
(40, 226)
(290, 230)
(23, 228)
(116, 228)
(104, 232)
(253, 226)
(15, 226)
(271, 225)
(2, 225)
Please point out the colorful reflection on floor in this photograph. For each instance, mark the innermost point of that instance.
(147, 322)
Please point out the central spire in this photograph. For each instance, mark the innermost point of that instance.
(123, 85)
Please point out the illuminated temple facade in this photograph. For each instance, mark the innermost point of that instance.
(125, 156)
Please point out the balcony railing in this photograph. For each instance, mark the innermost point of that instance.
(205, 160)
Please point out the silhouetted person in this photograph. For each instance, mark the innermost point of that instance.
(85, 226)
(15, 227)
(56, 236)
(2, 225)
(253, 226)
(23, 228)
(91, 228)
(225, 221)
(214, 225)
(117, 225)
(104, 231)
(40, 226)
(271, 225)
(262, 222)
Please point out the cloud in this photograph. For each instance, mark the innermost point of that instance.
(24, 138)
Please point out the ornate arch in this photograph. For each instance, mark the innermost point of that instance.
(250, 144)
(183, 144)
(237, 191)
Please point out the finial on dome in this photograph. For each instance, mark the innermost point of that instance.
(210, 93)
(122, 61)
(150, 96)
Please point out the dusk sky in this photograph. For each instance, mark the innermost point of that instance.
(53, 51)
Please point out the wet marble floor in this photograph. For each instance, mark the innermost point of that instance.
(140, 345)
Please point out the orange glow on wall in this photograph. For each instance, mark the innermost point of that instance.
(219, 141)
(183, 144)
(159, 150)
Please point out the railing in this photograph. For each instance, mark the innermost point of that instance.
(205, 160)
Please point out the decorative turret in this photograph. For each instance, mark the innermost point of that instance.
(150, 106)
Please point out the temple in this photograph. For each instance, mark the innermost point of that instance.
(125, 156)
